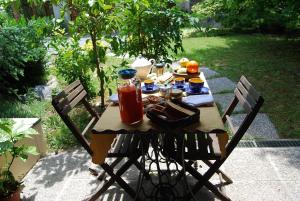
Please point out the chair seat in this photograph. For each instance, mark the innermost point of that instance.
(125, 145)
(196, 146)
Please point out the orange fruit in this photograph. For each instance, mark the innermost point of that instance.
(192, 67)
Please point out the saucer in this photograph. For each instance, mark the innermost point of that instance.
(203, 90)
(153, 90)
(183, 88)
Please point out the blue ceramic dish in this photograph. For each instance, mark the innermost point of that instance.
(127, 73)
(150, 91)
(195, 86)
(203, 90)
(149, 85)
(181, 87)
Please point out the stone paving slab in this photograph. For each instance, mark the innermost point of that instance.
(218, 85)
(264, 174)
(261, 127)
(224, 99)
(258, 174)
(208, 73)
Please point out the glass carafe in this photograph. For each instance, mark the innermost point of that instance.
(130, 97)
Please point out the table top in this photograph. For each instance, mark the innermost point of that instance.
(110, 121)
(110, 124)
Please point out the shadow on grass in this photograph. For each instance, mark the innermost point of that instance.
(271, 63)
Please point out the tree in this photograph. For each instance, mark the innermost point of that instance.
(265, 15)
(99, 20)
(151, 28)
(27, 7)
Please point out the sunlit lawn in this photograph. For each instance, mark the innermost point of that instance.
(272, 64)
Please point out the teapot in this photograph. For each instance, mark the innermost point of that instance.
(143, 66)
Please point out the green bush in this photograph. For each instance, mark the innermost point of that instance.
(268, 16)
(22, 55)
(74, 62)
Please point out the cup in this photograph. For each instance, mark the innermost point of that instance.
(196, 84)
(179, 82)
(149, 84)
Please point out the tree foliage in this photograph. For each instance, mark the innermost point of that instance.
(151, 28)
(265, 15)
(98, 19)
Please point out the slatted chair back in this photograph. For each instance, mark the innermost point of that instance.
(66, 101)
(251, 101)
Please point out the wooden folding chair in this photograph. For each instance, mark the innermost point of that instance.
(205, 146)
(126, 146)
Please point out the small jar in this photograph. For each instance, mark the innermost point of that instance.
(159, 69)
(165, 91)
(176, 94)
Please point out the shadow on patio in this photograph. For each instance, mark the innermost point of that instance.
(65, 176)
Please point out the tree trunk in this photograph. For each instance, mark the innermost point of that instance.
(16, 10)
(48, 8)
(73, 11)
(100, 71)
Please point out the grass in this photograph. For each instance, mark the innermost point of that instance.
(271, 63)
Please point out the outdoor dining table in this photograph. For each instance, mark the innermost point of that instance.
(110, 124)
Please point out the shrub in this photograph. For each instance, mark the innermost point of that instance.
(73, 62)
(22, 55)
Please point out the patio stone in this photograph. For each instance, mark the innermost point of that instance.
(277, 174)
(261, 128)
(258, 190)
(224, 99)
(208, 73)
(288, 167)
(257, 174)
(222, 84)
(249, 165)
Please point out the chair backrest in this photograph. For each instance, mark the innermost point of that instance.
(251, 101)
(66, 101)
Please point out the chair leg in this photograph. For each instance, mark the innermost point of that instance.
(112, 165)
(224, 176)
(217, 192)
(116, 177)
(202, 180)
(105, 186)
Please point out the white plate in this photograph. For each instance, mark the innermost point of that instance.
(114, 98)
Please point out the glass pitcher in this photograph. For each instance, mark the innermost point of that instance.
(130, 97)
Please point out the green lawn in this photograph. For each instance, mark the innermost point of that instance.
(271, 63)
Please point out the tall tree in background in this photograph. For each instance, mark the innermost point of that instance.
(151, 28)
(264, 15)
